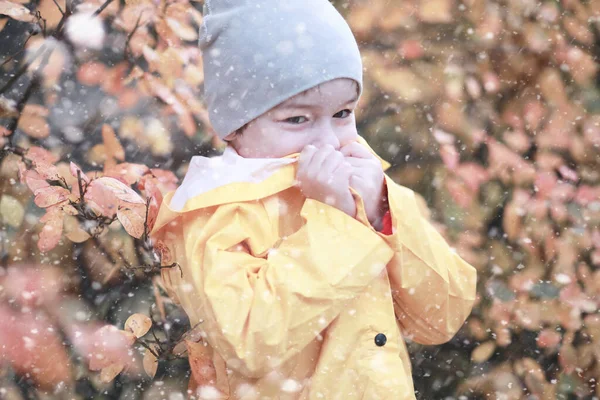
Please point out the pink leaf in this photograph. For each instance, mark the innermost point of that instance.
(30, 286)
(37, 153)
(75, 170)
(450, 156)
(568, 174)
(101, 199)
(52, 230)
(50, 196)
(120, 190)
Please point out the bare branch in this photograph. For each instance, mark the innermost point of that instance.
(102, 7)
(23, 69)
(12, 127)
(59, 7)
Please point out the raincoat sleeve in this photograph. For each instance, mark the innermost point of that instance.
(432, 287)
(265, 297)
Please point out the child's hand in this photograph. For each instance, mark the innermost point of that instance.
(324, 175)
(367, 179)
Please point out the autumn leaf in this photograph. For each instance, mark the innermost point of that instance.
(52, 230)
(150, 186)
(186, 119)
(119, 189)
(50, 196)
(107, 374)
(32, 285)
(483, 352)
(33, 121)
(101, 199)
(127, 172)
(138, 324)
(150, 362)
(132, 217)
(111, 143)
(73, 230)
(102, 346)
(77, 172)
(36, 153)
(15, 11)
(32, 347)
(203, 369)
(11, 211)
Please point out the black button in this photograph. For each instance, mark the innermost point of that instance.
(380, 339)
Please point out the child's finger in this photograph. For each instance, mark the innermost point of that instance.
(357, 150)
(331, 163)
(306, 156)
(320, 156)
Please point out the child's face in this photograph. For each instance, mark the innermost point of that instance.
(322, 115)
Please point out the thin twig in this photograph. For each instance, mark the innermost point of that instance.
(66, 14)
(17, 53)
(59, 7)
(146, 219)
(12, 127)
(102, 7)
(23, 69)
(135, 28)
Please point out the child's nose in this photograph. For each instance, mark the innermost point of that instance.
(327, 136)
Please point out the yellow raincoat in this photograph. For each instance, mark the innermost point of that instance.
(297, 300)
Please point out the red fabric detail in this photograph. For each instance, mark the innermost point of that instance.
(387, 224)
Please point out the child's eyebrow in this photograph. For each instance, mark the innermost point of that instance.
(300, 105)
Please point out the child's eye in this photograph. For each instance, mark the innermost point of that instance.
(343, 114)
(296, 120)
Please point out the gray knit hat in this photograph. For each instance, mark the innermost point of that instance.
(259, 53)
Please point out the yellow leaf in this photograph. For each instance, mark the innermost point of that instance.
(150, 363)
(73, 230)
(138, 324)
(109, 373)
(111, 143)
(483, 352)
(11, 211)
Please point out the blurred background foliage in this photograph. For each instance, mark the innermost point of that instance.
(489, 109)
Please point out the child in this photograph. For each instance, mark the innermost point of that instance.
(302, 264)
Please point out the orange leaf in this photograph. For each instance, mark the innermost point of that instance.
(33, 121)
(167, 179)
(128, 172)
(138, 324)
(132, 217)
(111, 143)
(52, 230)
(203, 369)
(91, 73)
(151, 188)
(161, 91)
